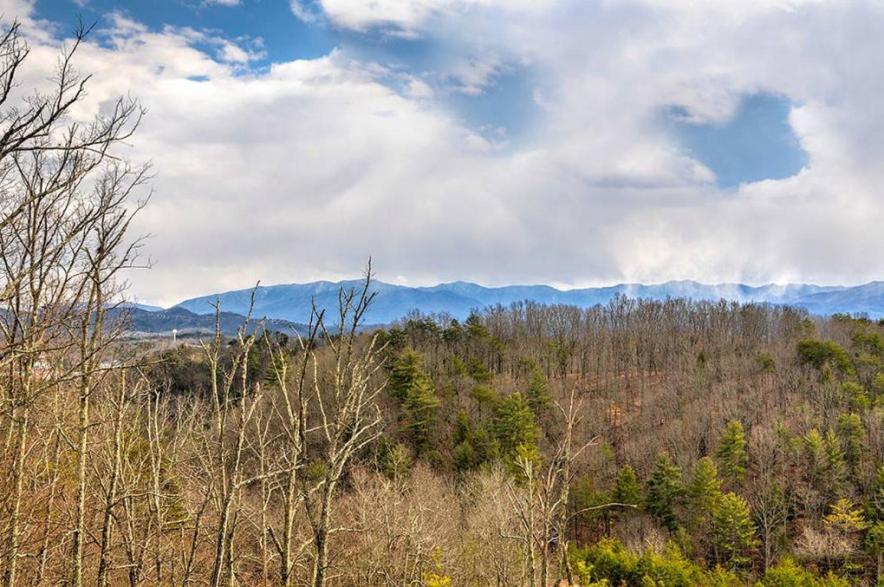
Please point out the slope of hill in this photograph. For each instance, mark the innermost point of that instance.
(293, 301)
(152, 322)
(868, 298)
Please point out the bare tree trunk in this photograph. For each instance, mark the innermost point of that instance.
(80, 516)
(47, 522)
(20, 419)
(320, 566)
(349, 416)
(111, 497)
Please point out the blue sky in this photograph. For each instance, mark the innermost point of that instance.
(569, 142)
(754, 143)
(281, 33)
(503, 109)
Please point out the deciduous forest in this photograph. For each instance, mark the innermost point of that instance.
(638, 443)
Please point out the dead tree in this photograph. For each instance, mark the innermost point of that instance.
(347, 418)
(289, 404)
(233, 402)
(59, 252)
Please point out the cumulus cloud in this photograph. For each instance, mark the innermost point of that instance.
(301, 171)
(409, 17)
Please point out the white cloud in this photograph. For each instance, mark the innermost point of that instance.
(303, 171)
(408, 17)
(305, 12)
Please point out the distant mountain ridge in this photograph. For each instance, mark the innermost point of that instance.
(292, 302)
(139, 321)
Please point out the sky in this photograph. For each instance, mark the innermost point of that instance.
(568, 142)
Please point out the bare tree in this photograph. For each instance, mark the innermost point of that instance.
(290, 404)
(346, 412)
(60, 254)
(233, 401)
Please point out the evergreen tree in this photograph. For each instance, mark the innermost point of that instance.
(396, 461)
(665, 491)
(479, 372)
(538, 392)
(627, 489)
(406, 373)
(464, 456)
(704, 489)
(855, 395)
(835, 468)
(852, 433)
(417, 397)
(789, 574)
(878, 386)
(815, 449)
(588, 501)
(419, 411)
(845, 524)
(515, 428)
(733, 533)
(845, 517)
(732, 452)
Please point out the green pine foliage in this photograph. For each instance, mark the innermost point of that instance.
(414, 390)
(732, 452)
(733, 533)
(852, 434)
(825, 353)
(473, 445)
(537, 393)
(704, 490)
(611, 563)
(788, 574)
(705, 486)
(835, 464)
(627, 490)
(665, 492)
(515, 428)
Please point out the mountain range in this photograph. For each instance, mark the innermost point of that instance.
(292, 302)
(152, 320)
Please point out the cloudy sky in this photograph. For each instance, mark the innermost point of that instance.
(570, 142)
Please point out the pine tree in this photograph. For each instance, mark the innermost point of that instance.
(417, 397)
(419, 415)
(464, 456)
(815, 449)
(665, 492)
(627, 489)
(704, 489)
(835, 468)
(538, 392)
(733, 533)
(405, 373)
(515, 428)
(396, 461)
(852, 433)
(732, 452)
(845, 517)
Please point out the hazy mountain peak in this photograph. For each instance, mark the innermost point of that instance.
(458, 298)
